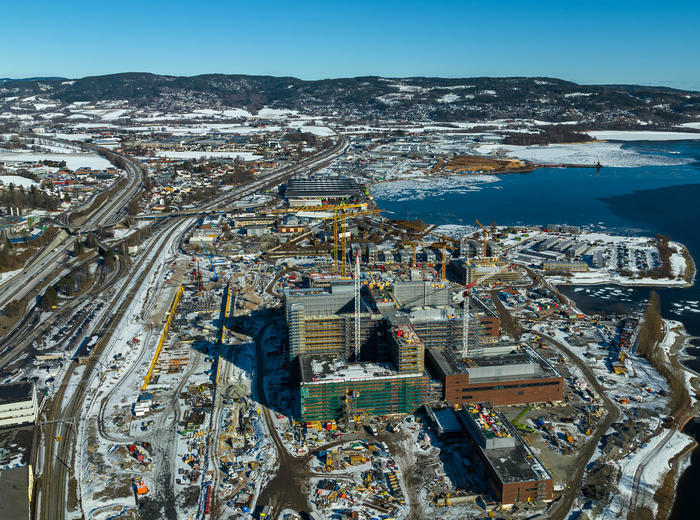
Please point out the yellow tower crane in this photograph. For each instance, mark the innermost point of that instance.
(486, 246)
(340, 225)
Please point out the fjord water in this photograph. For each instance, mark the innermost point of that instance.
(647, 199)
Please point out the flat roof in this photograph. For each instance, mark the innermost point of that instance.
(512, 462)
(519, 363)
(333, 187)
(15, 393)
(445, 419)
(325, 369)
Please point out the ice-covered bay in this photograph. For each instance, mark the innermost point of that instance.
(609, 154)
(424, 187)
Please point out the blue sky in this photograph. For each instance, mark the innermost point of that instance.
(656, 43)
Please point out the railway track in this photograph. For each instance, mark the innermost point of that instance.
(19, 341)
(60, 421)
(52, 483)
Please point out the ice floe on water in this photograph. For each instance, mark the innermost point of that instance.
(617, 293)
(685, 307)
(422, 188)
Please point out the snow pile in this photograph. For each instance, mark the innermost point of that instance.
(424, 187)
(448, 98)
(8, 275)
(275, 113)
(322, 131)
(73, 161)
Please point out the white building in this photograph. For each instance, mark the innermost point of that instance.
(18, 404)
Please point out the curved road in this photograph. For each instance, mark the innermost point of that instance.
(561, 509)
(51, 485)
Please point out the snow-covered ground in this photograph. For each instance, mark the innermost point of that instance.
(604, 276)
(609, 154)
(17, 181)
(9, 274)
(654, 458)
(642, 135)
(73, 161)
(246, 156)
(609, 274)
(638, 395)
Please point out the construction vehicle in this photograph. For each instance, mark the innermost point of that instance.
(139, 486)
(216, 276)
(516, 421)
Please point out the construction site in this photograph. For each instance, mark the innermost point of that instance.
(310, 356)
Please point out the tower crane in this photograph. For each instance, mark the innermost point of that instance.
(211, 263)
(340, 227)
(486, 248)
(357, 306)
(414, 247)
(442, 244)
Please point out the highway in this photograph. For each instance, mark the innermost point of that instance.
(54, 256)
(59, 420)
(115, 210)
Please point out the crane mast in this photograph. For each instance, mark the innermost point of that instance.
(211, 263)
(486, 246)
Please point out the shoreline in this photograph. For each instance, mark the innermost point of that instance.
(690, 264)
(689, 280)
(691, 382)
(621, 284)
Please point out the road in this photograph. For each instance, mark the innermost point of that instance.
(54, 256)
(61, 420)
(52, 492)
(561, 509)
(640, 493)
(287, 487)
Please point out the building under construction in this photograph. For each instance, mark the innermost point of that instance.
(395, 325)
(321, 321)
(331, 389)
(472, 270)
